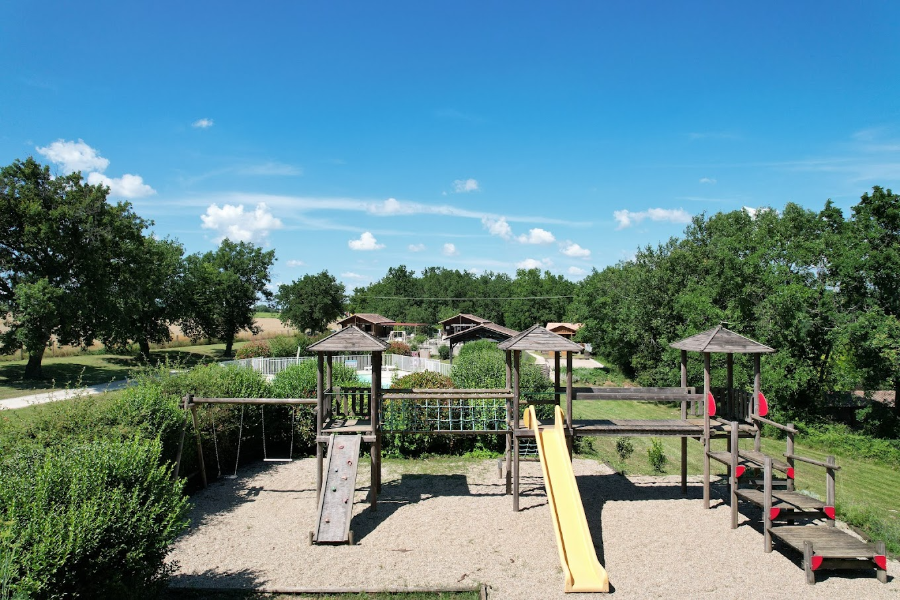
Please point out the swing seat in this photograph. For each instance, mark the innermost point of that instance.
(278, 460)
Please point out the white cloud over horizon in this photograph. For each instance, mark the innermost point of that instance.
(463, 186)
(77, 156)
(294, 263)
(576, 271)
(449, 250)
(365, 242)
(626, 218)
(203, 123)
(498, 227)
(570, 248)
(416, 247)
(536, 236)
(709, 180)
(73, 156)
(127, 186)
(234, 223)
(352, 275)
(533, 263)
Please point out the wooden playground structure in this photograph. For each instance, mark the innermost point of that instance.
(350, 417)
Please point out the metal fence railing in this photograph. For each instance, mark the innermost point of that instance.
(360, 362)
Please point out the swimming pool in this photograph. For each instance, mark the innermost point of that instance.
(386, 377)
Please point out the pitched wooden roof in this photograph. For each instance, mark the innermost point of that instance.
(474, 318)
(350, 338)
(539, 338)
(719, 339)
(370, 317)
(569, 326)
(491, 330)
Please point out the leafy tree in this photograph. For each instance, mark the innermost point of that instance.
(147, 296)
(60, 245)
(870, 287)
(221, 289)
(311, 302)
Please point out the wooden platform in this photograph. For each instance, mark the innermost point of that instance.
(826, 547)
(790, 505)
(751, 460)
(348, 425)
(637, 427)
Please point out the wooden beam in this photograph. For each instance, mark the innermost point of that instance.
(706, 437)
(292, 401)
(199, 441)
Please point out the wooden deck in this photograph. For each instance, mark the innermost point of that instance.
(790, 505)
(830, 548)
(749, 459)
(347, 425)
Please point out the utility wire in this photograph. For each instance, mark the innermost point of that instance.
(466, 298)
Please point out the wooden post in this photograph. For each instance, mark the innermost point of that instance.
(189, 400)
(177, 471)
(807, 562)
(320, 415)
(451, 354)
(729, 384)
(684, 439)
(515, 421)
(374, 408)
(880, 550)
(767, 506)
(829, 486)
(706, 436)
(754, 402)
(509, 425)
(789, 450)
(733, 478)
(556, 376)
(570, 433)
(329, 373)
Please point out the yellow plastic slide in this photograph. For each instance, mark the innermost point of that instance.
(583, 571)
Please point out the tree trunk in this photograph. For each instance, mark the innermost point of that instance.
(33, 368)
(897, 397)
(144, 346)
(229, 342)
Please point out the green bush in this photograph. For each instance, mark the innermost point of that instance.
(287, 345)
(299, 381)
(92, 520)
(215, 381)
(624, 448)
(423, 380)
(409, 415)
(255, 349)
(444, 352)
(657, 456)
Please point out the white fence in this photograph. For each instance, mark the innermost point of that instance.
(360, 362)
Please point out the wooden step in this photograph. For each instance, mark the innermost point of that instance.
(788, 505)
(828, 542)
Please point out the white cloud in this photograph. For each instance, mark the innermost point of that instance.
(416, 247)
(572, 249)
(127, 186)
(498, 227)
(74, 156)
(295, 263)
(537, 236)
(532, 263)
(474, 271)
(576, 271)
(465, 185)
(202, 123)
(233, 223)
(391, 206)
(707, 180)
(271, 168)
(449, 250)
(351, 275)
(366, 241)
(627, 218)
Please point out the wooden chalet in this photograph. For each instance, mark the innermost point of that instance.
(460, 322)
(485, 331)
(566, 330)
(371, 323)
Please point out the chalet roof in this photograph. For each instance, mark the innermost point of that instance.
(371, 318)
(488, 329)
(571, 326)
(350, 338)
(475, 318)
(538, 338)
(721, 340)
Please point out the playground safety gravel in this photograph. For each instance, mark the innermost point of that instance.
(458, 528)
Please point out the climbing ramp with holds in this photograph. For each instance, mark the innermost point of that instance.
(336, 496)
(582, 570)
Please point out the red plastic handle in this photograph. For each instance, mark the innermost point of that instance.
(763, 405)
(711, 405)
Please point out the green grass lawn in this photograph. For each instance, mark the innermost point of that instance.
(179, 594)
(90, 369)
(266, 315)
(867, 491)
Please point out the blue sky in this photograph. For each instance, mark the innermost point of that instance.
(353, 136)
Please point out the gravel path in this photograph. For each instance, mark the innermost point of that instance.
(458, 528)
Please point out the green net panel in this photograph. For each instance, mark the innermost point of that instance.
(440, 414)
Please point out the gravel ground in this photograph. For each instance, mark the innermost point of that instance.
(458, 528)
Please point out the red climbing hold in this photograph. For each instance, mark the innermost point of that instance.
(341, 447)
(345, 500)
(816, 562)
(829, 510)
(349, 462)
(328, 520)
